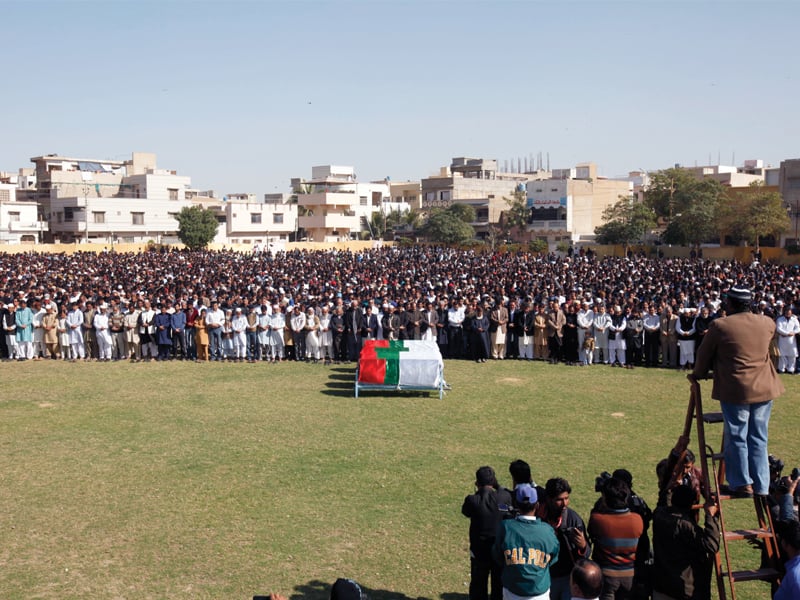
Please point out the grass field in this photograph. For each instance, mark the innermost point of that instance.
(222, 481)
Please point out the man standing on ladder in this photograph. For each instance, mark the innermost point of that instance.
(736, 348)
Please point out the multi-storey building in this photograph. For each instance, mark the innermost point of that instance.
(473, 181)
(109, 201)
(569, 205)
(789, 187)
(334, 206)
(270, 223)
(19, 219)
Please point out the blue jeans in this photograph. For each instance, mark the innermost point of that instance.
(215, 343)
(746, 430)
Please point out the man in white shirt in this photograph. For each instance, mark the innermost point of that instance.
(102, 333)
(585, 324)
(786, 328)
(75, 325)
(239, 326)
(601, 324)
(455, 329)
(215, 319)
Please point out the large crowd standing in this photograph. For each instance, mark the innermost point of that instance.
(321, 305)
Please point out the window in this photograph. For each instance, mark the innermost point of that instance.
(444, 195)
(173, 215)
(98, 217)
(13, 217)
(72, 213)
(553, 189)
(5, 195)
(362, 200)
(793, 183)
(539, 190)
(482, 214)
(277, 218)
(255, 218)
(173, 193)
(137, 218)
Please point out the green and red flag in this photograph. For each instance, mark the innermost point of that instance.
(410, 363)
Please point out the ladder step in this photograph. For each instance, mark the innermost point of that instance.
(748, 534)
(753, 575)
(712, 417)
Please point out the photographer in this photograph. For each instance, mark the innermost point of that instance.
(615, 533)
(485, 509)
(683, 549)
(637, 505)
(789, 536)
(783, 491)
(570, 531)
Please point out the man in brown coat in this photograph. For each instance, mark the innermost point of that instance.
(736, 347)
(556, 319)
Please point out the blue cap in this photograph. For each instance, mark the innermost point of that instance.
(526, 493)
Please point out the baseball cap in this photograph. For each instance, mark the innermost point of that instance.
(526, 493)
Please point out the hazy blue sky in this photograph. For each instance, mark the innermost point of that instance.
(242, 96)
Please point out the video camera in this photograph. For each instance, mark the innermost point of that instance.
(776, 466)
(601, 481)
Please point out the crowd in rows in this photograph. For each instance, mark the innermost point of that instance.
(321, 305)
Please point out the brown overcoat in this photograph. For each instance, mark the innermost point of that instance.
(736, 347)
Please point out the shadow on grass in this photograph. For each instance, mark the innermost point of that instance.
(341, 383)
(320, 590)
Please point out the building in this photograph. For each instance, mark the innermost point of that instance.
(272, 222)
(473, 181)
(408, 192)
(569, 205)
(738, 177)
(333, 206)
(789, 187)
(19, 219)
(113, 201)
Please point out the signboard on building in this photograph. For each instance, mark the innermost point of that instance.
(550, 202)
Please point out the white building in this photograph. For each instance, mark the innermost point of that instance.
(19, 220)
(334, 206)
(270, 223)
(114, 201)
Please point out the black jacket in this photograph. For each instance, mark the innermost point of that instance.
(485, 509)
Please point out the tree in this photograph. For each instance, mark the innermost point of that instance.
(197, 226)
(452, 225)
(761, 214)
(625, 222)
(689, 205)
(516, 216)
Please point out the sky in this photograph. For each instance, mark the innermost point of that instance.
(244, 95)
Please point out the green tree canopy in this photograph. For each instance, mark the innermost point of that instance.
(689, 205)
(452, 225)
(755, 214)
(197, 226)
(626, 222)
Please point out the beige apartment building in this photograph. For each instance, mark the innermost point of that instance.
(473, 181)
(569, 205)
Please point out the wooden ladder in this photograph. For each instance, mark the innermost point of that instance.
(712, 465)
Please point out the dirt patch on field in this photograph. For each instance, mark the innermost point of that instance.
(509, 380)
(46, 405)
(618, 415)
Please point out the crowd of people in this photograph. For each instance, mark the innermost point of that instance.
(526, 541)
(321, 305)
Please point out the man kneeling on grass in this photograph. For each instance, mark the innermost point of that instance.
(527, 548)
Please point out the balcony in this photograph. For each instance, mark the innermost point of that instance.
(548, 225)
(334, 221)
(328, 199)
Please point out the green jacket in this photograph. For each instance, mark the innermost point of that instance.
(526, 547)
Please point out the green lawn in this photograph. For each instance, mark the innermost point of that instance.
(182, 480)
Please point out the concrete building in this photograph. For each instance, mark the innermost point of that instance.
(110, 201)
(738, 177)
(272, 222)
(473, 181)
(19, 219)
(408, 192)
(334, 206)
(789, 187)
(569, 205)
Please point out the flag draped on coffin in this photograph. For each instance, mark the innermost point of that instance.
(415, 363)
